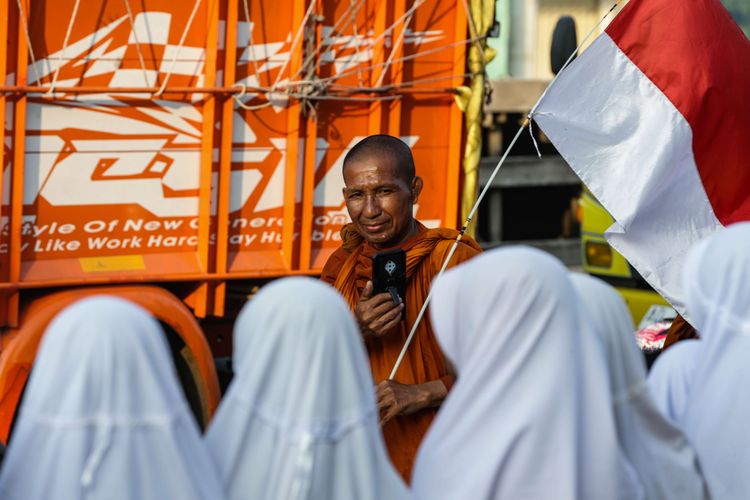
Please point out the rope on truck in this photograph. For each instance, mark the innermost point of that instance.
(137, 43)
(309, 88)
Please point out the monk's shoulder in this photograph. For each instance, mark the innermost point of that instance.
(467, 248)
(333, 265)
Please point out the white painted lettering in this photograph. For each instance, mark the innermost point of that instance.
(67, 228)
(95, 226)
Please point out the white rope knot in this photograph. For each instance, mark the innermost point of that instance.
(243, 91)
(533, 139)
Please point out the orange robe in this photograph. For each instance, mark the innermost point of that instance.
(348, 269)
(680, 330)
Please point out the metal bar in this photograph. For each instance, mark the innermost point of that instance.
(308, 166)
(41, 89)
(3, 74)
(396, 73)
(148, 91)
(308, 191)
(453, 179)
(529, 171)
(16, 197)
(206, 166)
(397, 90)
(292, 150)
(164, 278)
(225, 156)
(375, 122)
(495, 215)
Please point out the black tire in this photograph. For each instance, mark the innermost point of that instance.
(185, 375)
(564, 43)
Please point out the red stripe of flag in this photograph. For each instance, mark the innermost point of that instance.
(700, 59)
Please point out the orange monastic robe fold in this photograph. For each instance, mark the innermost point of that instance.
(348, 269)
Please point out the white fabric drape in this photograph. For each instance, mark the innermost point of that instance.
(299, 420)
(530, 414)
(665, 465)
(671, 377)
(103, 416)
(718, 409)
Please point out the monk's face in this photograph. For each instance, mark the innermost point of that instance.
(380, 200)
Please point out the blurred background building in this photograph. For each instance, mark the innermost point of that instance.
(523, 42)
(536, 201)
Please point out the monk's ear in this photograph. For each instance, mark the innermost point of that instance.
(416, 188)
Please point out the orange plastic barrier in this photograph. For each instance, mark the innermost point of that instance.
(19, 346)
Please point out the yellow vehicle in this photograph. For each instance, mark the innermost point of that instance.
(601, 260)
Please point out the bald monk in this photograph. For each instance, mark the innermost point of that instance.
(381, 188)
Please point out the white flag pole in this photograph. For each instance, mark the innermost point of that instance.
(453, 249)
(484, 192)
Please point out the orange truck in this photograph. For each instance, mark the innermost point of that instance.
(181, 154)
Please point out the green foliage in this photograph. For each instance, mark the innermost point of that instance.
(740, 10)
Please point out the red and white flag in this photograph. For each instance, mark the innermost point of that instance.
(654, 117)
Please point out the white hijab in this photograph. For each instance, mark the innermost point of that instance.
(671, 377)
(665, 465)
(718, 411)
(530, 415)
(299, 420)
(103, 416)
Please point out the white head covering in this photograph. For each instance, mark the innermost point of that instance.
(718, 411)
(103, 416)
(693, 295)
(671, 377)
(530, 415)
(665, 465)
(299, 419)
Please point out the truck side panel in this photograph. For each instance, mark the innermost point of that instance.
(114, 172)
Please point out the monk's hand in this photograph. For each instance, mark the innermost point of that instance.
(377, 315)
(395, 398)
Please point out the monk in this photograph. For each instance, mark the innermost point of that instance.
(381, 189)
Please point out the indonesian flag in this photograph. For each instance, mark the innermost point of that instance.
(654, 117)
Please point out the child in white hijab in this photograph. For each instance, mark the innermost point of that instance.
(665, 465)
(299, 420)
(671, 376)
(718, 409)
(530, 415)
(103, 416)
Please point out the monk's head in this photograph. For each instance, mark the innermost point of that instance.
(381, 188)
